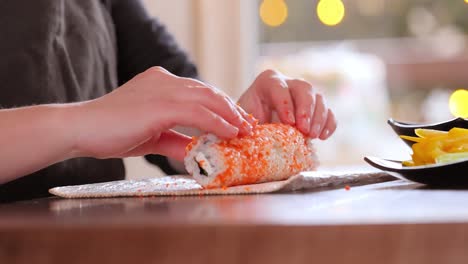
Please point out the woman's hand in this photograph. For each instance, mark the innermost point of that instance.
(294, 101)
(136, 119)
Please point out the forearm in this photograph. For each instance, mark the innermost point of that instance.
(35, 137)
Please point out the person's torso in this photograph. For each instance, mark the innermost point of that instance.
(57, 51)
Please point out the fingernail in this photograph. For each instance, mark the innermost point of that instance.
(315, 130)
(325, 134)
(252, 120)
(247, 128)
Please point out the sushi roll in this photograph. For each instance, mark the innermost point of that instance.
(273, 152)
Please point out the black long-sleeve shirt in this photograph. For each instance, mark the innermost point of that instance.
(58, 51)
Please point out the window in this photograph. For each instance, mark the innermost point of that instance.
(382, 59)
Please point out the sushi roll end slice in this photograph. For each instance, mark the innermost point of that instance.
(273, 152)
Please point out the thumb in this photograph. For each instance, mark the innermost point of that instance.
(172, 144)
(169, 143)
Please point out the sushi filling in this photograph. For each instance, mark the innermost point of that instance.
(204, 166)
(202, 171)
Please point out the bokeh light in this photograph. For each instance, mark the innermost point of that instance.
(273, 12)
(330, 12)
(458, 103)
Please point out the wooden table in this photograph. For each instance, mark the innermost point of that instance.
(392, 222)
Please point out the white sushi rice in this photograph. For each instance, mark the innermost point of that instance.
(204, 156)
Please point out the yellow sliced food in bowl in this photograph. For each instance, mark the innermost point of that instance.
(408, 163)
(429, 133)
(456, 131)
(410, 138)
(434, 146)
(452, 157)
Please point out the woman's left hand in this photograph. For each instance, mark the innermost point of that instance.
(294, 101)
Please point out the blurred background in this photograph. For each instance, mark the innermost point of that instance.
(372, 59)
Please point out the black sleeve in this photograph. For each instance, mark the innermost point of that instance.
(143, 42)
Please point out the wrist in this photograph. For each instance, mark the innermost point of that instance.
(70, 121)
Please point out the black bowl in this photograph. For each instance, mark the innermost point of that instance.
(446, 175)
(408, 129)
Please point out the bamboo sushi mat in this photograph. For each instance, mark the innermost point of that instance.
(185, 185)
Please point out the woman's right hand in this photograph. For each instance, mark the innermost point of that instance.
(136, 119)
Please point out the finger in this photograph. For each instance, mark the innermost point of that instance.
(217, 102)
(197, 116)
(304, 103)
(159, 69)
(319, 117)
(330, 126)
(172, 144)
(169, 143)
(249, 120)
(252, 104)
(249, 117)
(281, 100)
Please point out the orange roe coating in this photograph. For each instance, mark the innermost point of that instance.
(272, 152)
(191, 144)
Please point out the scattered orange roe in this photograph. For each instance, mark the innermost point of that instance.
(347, 187)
